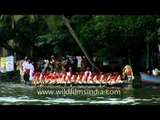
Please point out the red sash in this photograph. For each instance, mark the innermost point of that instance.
(27, 71)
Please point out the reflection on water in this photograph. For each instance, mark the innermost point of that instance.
(19, 94)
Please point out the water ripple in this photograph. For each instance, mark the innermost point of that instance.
(54, 101)
(17, 94)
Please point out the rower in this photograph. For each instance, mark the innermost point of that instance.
(87, 72)
(156, 71)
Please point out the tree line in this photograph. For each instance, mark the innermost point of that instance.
(100, 36)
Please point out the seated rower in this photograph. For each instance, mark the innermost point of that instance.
(87, 72)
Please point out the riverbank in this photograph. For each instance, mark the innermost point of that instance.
(10, 76)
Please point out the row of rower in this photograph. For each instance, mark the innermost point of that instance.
(51, 78)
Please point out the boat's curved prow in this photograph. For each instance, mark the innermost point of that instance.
(127, 73)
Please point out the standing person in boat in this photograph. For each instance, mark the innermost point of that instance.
(156, 71)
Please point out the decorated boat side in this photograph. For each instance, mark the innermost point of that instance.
(109, 79)
(149, 79)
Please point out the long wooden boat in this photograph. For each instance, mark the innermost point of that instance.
(107, 79)
(83, 80)
(149, 79)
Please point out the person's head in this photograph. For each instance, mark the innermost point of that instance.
(81, 73)
(100, 72)
(87, 68)
(26, 57)
(55, 69)
(29, 60)
(64, 70)
(52, 57)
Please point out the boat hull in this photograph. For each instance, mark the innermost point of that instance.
(149, 79)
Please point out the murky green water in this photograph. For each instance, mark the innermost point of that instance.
(19, 94)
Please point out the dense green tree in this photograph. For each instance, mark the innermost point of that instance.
(101, 36)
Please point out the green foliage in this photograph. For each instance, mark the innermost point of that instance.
(104, 36)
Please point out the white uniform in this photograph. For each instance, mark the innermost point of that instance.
(31, 67)
(155, 72)
(25, 66)
(87, 73)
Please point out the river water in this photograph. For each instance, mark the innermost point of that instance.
(20, 94)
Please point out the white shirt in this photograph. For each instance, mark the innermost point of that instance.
(31, 68)
(87, 73)
(25, 65)
(155, 72)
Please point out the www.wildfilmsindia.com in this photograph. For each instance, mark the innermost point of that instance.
(73, 91)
